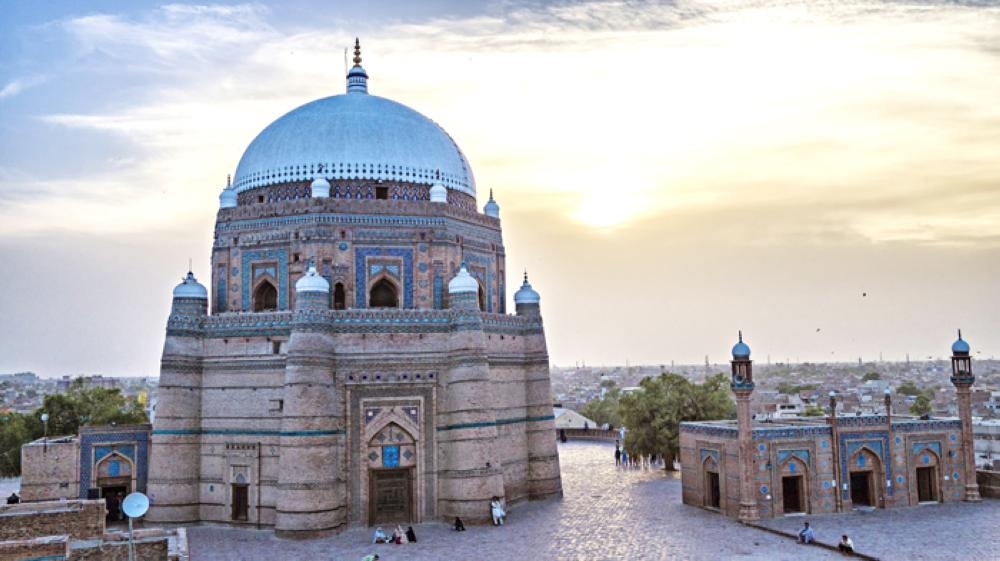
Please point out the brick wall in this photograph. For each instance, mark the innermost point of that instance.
(989, 483)
(49, 547)
(78, 519)
(146, 549)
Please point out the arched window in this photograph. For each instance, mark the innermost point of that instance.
(383, 295)
(265, 298)
(339, 298)
(482, 299)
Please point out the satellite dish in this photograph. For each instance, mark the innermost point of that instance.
(135, 505)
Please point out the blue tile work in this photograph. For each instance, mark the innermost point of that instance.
(485, 261)
(800, 454)
(90, 443)
(706, 452)
(279, 255)
(851, 442)
(920, 446)
(220, 294)
(361, 282)
(390, 456)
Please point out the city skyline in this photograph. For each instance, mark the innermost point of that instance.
(824, 179)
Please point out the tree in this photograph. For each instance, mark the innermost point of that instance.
(871, 376)
(908, 388)
(789, 388)
(654, 413)
(604, 409)
(67, 412)
(921, 406)
(813, 411)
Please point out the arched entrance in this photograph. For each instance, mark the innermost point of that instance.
(392, 459)
(865, 469)
(482, 299)
(113, 474)
(383, 294)
(925, 476)
(265, 297)
(713, 491)
(794, 486)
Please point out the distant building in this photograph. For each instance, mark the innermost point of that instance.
(751, 469)
(569, 419)
(99, 461)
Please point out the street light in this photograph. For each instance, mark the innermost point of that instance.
(45, 423)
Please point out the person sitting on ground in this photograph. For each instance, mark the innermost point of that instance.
(459, 527)
(399, 536)
(846, 545)
(806, 534)
(370, 557)
(13, 499)
(497, 510)
(379, 536)
(411, 536)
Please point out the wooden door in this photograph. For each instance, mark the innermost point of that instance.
(925, 484)
(241, 501)
(861, 491)
(390, 497)
(791, 494)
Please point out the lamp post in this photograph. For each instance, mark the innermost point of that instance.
(45, 441)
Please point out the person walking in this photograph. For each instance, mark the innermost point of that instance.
(618, 455)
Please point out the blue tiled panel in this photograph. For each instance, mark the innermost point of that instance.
(438, 292)
(390, 456)
(220, 295)
(487, 262)
(135, 445)
(361, 282)
(279, 255)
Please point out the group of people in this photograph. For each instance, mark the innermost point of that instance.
(635, 461)
(807, 535)
(398, 536)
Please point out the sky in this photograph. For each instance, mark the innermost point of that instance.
(822, 175)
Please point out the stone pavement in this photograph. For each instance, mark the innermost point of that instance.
(606, 514)
(965, 531)
(611, 514)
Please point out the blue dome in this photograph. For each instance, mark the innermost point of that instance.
(190, 288)
(960, 346)
(526, 294)
(741, 349)
(353, 136)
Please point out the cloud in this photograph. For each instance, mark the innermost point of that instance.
(17, 86)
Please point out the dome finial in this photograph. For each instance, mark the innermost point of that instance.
(357, 78)
(960, 334)
(740, 332)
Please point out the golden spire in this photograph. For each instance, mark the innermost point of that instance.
(357, 52)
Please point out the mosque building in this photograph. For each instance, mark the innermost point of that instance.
(351, 361)
(751, 469)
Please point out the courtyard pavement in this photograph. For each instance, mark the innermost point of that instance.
(614, 514)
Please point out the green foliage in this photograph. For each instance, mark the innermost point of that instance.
(921, 406)
(908, 388)
(653, 415)
(813, 411)
(13, 433)
(871, 376)
(790, 388)
(609, 383)
(67, 412)
(604, 409)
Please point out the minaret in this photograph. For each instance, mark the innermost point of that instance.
(312, 494)
(470, 470)
(742, 386)
(544, 479)
(962, 378)
(175, 450)
(492, 209)
(357, 78)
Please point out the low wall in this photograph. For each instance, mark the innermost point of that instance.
(49, 548)
(78, 519)
(114, 547)
(589, 434)
(989, 483)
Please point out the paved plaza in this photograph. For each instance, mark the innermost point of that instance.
(612, 514)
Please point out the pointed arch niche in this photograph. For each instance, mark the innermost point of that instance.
(866, 478)
(925, 477)
(265, 296)
(384, 293)
(712, 496)
(794, 473)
